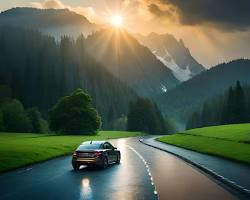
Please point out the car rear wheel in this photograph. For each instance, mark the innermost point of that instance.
(104, 163)
(118, 159)
(76, 166)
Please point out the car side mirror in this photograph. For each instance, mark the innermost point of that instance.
(115, 148)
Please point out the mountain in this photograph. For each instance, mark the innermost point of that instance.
(55, 22)
(137, 67)
(130, 62)
(39, 70)
(172, 54)
(190, 95)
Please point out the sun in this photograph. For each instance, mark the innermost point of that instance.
(117, 21)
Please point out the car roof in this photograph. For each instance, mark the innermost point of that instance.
(93, 142)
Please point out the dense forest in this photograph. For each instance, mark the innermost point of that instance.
(38, 70)
(233, 107)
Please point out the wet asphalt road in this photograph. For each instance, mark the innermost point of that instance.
(144, 173)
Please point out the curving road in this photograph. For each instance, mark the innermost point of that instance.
(145, 173)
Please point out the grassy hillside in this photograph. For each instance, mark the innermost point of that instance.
(235, 132)
(18, 149)
(228, 141)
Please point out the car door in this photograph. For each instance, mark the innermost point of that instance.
(110, 151)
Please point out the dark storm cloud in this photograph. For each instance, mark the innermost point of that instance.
(158, 12)
(227, 14)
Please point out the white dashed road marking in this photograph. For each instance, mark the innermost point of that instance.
(147, 168)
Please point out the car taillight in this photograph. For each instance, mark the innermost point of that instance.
(97, 154)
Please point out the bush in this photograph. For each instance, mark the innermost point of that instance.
(74, 114)
(39, 125)
(145, 116)
(14, 116)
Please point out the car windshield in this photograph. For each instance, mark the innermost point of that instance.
(88, 147)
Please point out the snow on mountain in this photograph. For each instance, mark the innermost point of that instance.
(180, 73)
(173, 54)
(138, 67)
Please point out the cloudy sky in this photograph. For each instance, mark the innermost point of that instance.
(213, 30)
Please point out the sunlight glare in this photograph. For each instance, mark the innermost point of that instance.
(117, 21)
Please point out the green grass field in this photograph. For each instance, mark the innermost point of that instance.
(20, 149)
(236, 132)
(228, 141)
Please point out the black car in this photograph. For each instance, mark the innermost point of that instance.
(99, 153)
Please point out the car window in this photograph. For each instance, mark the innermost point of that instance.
(111, 146)
(88, 147)
(107, 146)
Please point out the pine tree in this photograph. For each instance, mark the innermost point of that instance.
(145, 116)
(205, 115)
(228, 110)
(194, 121)
(235, 110)
(111, 117)
(240, 109)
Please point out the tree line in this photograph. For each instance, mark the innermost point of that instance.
(231, 108)
(75, 114)
(72, 114)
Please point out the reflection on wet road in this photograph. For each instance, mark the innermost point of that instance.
(144, 173)
(85, 192)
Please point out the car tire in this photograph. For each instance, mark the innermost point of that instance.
(104, 162)
(76, 166)
(118, 159)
